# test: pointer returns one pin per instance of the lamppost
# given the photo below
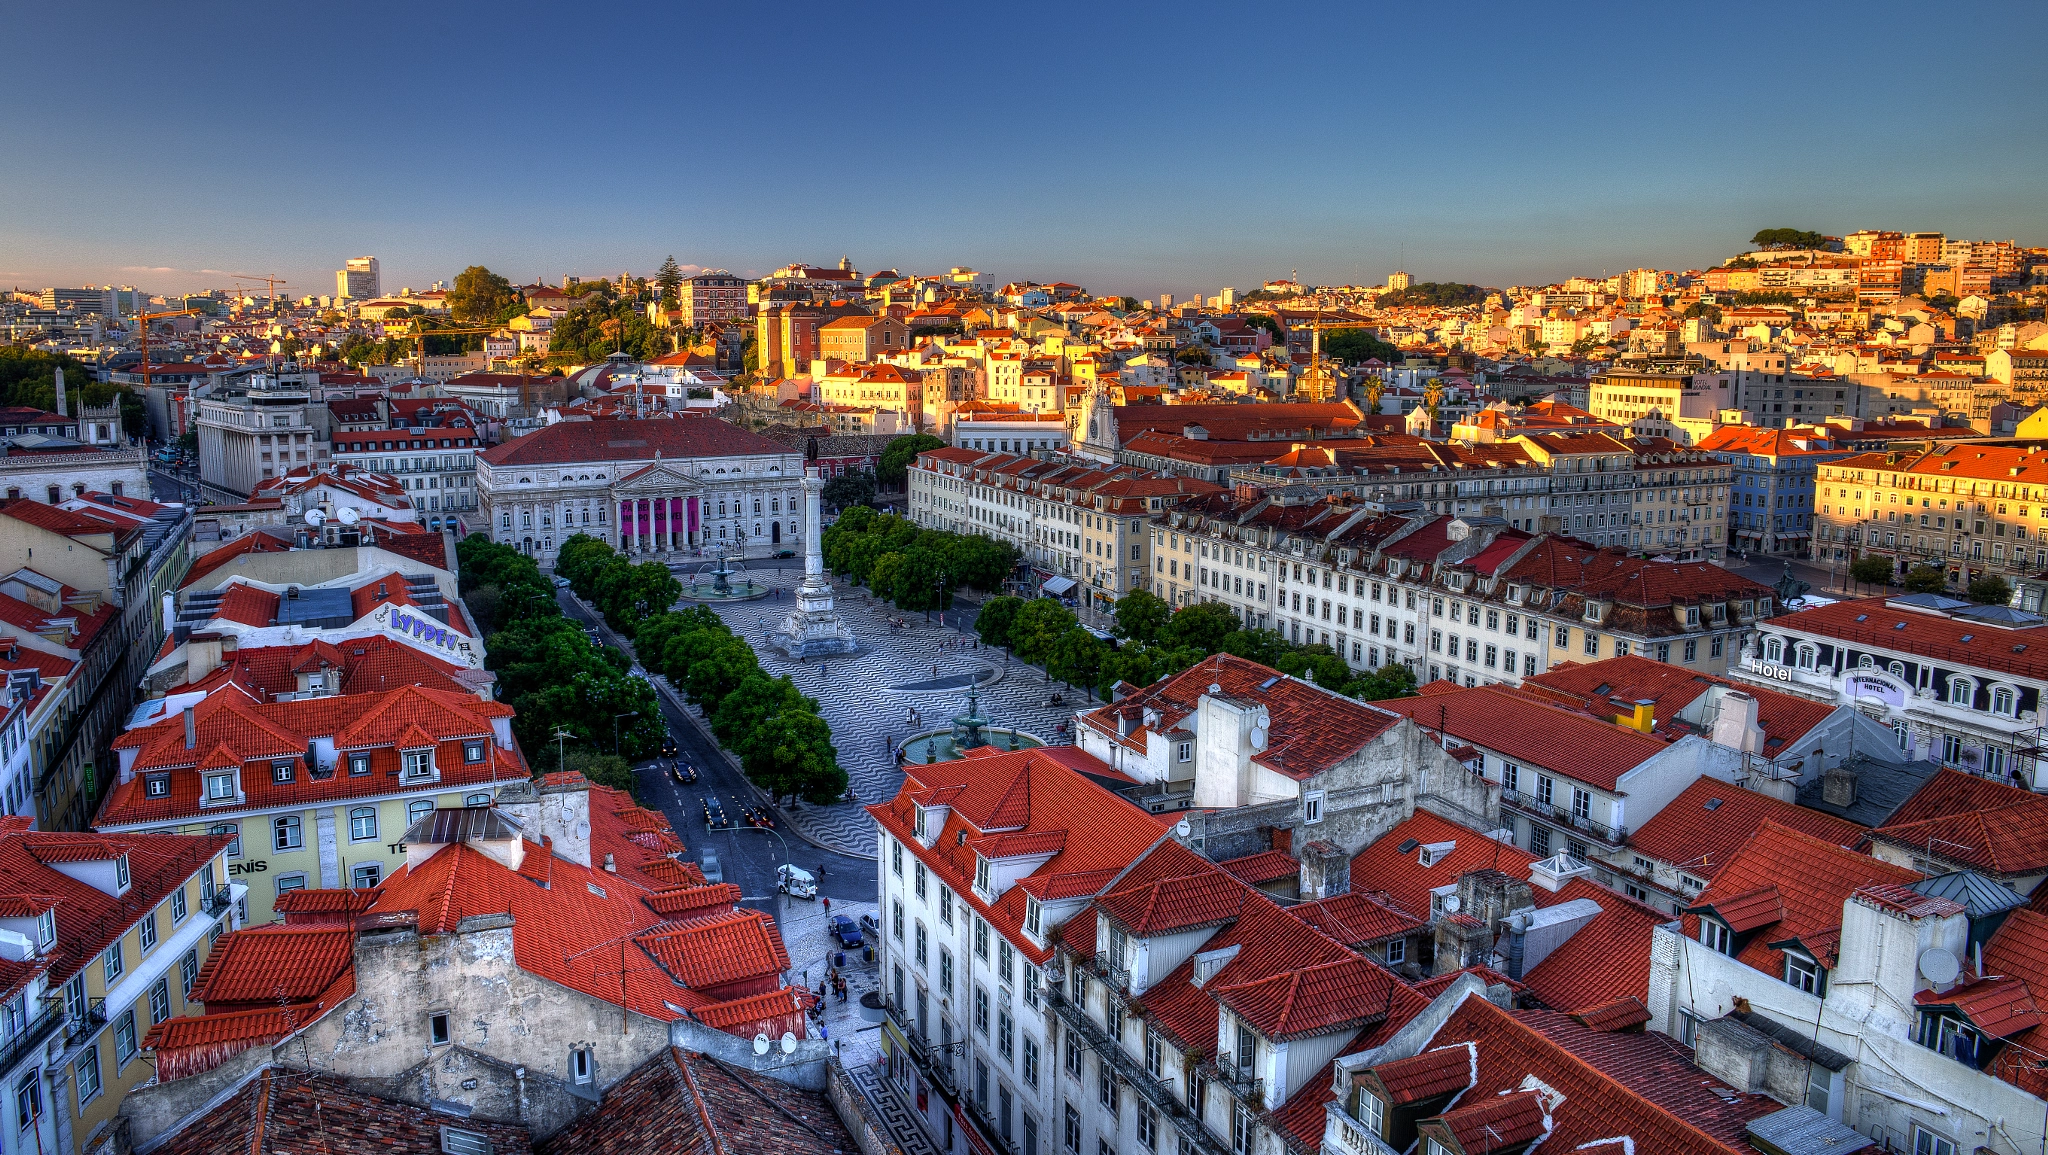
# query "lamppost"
(562, 749)
(615, 728)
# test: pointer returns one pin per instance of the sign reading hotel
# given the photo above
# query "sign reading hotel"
(419, 630)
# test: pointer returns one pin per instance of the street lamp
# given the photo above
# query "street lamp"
(615, 729)
(562, 749)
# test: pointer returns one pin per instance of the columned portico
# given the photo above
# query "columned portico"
(664, 524)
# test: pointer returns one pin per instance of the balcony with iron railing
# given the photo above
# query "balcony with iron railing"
(1116, 976)
(1156, 1093)
(82, 1023)
(1248, 1088)
(33, 1034)
(935, 1061)
(1529, 804)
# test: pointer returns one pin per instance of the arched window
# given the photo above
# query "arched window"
(1962, 692)
(2002, 700)
(1898, 670)
(1806, 657)
(362, 824)
(414, 811)
(1774, 650)
(477, 800)
(1864, 662)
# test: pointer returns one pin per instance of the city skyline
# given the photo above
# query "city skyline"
(1134, 152)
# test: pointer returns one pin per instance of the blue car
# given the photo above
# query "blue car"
(845, 930)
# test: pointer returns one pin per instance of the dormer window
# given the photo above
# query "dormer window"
(358, 764)
(920, 824)
(220, 787)
(1715, 935)
(121, 873)
(419, 764)
(472, 752)
(46, 929)
(981, 874)
(1033, 916)
(156, 786)
(280, 771)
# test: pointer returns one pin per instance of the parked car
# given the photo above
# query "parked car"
(795, 881)
(846, 931)
(785, 553)
(708, 860)
(561, 583)
(871, 925)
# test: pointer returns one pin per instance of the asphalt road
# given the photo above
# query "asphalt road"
(167, 486)
(748, 855)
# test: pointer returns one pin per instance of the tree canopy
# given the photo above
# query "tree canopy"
(670, 280)
(605, 326)
(1440, 294)
(918, 569)
(29, 377)
(1787, 239)
(1355, 346)
(482, 297)
(893, 470)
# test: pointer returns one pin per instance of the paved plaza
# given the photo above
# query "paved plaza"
(867, 698)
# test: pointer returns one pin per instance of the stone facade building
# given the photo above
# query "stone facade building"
(653, 487)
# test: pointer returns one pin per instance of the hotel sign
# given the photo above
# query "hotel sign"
(1763, 669)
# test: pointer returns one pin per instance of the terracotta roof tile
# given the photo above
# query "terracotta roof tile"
(1986, 825)
(1710, 819)
(1263, 867)
(268, 965)
(1434, 1072)
(1811, 878)
(1533, 733)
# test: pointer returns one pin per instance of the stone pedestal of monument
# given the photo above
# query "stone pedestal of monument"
(814, 628)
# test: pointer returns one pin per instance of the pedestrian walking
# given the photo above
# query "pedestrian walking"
(828, 907)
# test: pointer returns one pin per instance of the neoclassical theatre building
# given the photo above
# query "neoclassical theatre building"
(660, 487)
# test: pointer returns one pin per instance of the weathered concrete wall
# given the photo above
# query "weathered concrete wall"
(494, 1008)
(855, 1115)
(157, 1108)
(805, 1067)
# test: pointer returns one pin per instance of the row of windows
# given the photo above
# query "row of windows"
(287, 832)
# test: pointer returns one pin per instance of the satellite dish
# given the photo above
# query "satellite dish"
(761, 1044)
(315, 518)
(349, 515)
(1258, 738)
(1451, 904)
(1939, 965)
(1181, 829)
(788, 1043)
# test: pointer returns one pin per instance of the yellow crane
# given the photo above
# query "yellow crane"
(142, 320)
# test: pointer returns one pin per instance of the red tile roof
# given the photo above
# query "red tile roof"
(1529, 731)
(1809, 881)
(1029, 791)
(569, 442)
(275, 964)
(1264, 867)
(1610, 688)
(1434, 1072)
(1355, 919)
(1709, 820)
(1312, 728)
(88, 918)
(1914, 631)
(1985, 825)
(715, 951)
(287, 1112)
(679, 1103)
(1399, 874)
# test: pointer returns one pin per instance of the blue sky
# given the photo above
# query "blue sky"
(1132, 149)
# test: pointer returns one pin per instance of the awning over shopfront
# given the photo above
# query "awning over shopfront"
(1058, 587)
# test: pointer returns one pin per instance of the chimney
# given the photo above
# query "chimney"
(191, 728)
(1736, 725)
(1838, 786)
(1643, 717)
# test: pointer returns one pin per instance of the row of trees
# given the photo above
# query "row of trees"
(916, 568)
(1876, 570)
(551, 673)
(625, 593)
(1158, 640)
(29, 377)
(782, 743)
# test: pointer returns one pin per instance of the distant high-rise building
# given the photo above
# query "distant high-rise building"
(1229, 297)
(357, 280)
(1165, 301)
(1397, 281)
(105, 300)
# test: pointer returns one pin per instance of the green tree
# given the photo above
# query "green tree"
(1201, 626)
(1392, 680)
(1076, 658)
(481, 297)
(893, 470)
(1040, 624)
(1266, 647)
(714, 666)
(1990, 590)
(1355, 346)
(1192, 355)
(603, 769)
(849, 489)
(1787, 239)
(1925, 579)
(792, 754)
(1141, 615)
(1445, 294)
(1871, 569)
(997, 618)
(670, 279)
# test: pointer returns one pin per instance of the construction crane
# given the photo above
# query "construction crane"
(271, 280)
(142, 320)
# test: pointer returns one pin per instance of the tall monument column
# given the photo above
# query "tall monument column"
(814, 629)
